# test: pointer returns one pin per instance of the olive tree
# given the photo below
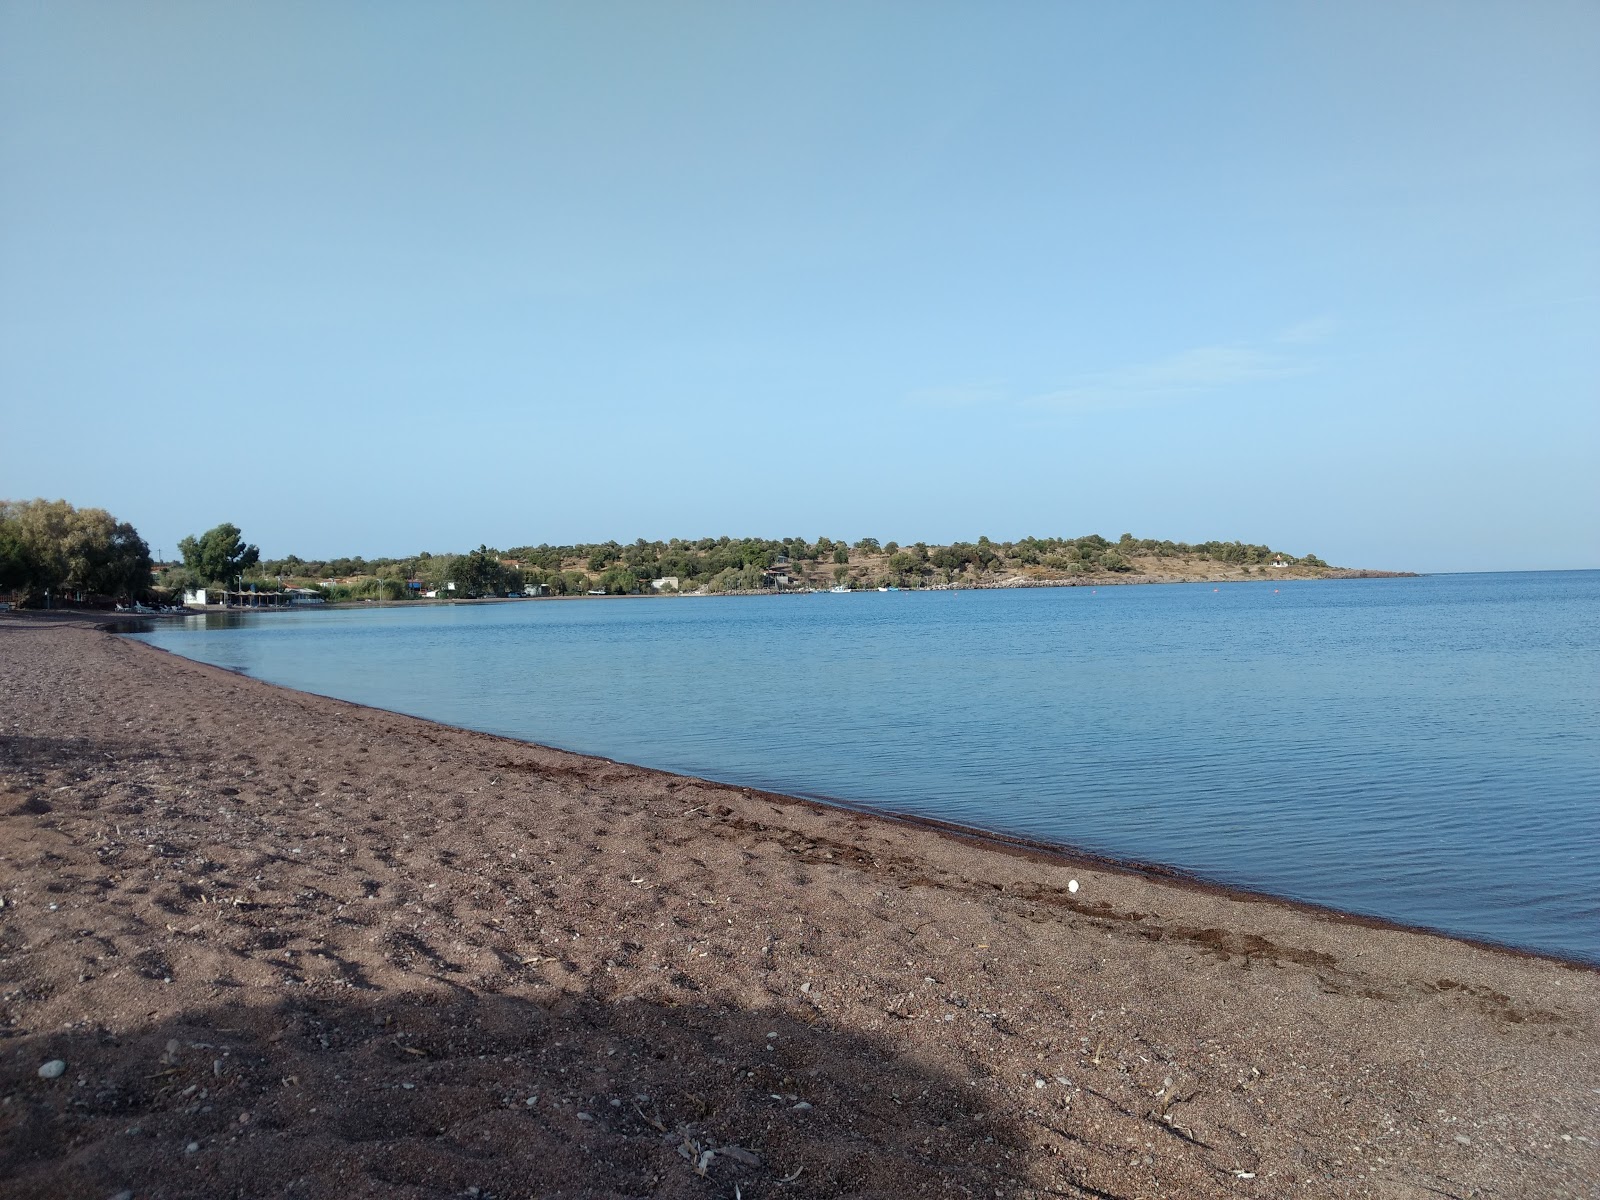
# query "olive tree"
(218, 554)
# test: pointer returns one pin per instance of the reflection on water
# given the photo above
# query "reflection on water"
(1426, 750)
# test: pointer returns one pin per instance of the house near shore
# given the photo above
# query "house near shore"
(667, 583)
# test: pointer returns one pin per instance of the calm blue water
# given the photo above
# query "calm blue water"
(1426, 750)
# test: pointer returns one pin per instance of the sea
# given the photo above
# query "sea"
(1422, 750)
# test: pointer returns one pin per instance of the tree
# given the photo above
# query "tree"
(108, 557)
(619, 581)
(218, 554)
(50, 546)
(478, 573)
(16, 570)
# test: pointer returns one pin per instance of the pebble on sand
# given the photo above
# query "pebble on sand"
(54, 1069)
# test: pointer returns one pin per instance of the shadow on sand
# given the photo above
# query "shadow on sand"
(450, 1092)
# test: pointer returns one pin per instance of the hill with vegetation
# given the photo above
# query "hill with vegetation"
(48, 549)
(725, 564)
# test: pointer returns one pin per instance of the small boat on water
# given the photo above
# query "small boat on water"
(839, 590)
(888, 589)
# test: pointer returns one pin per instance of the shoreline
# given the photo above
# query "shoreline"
(1041, 849)
(290, 940)
(996, 585)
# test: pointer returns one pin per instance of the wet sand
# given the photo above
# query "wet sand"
(290, 946)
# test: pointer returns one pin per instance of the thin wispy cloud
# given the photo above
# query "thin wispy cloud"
(1203, 371)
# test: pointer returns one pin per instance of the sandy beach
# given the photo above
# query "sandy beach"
(285, 945)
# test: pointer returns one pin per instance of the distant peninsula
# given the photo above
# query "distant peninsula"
(53, 554)
(727, 565)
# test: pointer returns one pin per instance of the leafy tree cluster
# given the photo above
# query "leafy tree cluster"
(50, 547)
(218, 555)
(717, 564)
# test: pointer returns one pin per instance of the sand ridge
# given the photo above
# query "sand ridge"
(291, 946)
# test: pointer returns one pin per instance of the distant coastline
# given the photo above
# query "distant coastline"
(1003, 584)
(735, 566)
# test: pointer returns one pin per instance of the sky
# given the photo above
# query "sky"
(374, 278)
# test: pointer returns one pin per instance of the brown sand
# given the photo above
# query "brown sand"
(288, 946)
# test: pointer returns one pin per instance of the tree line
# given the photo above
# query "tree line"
(747, 564)
(49, 548)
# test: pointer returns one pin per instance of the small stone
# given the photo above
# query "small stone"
(124, 1194)
(410, 1087)
(191, 1147)
(531, 1101)
(583, 1116)
(1463, 1139)
(1038, 1083)
(54, 1069)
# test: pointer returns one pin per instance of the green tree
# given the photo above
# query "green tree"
(478, 573)
(109, 557)
(619, 581)
(17, 568)
(50, 546)
(218, 554)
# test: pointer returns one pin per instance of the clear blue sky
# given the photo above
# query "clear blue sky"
(382, 277)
